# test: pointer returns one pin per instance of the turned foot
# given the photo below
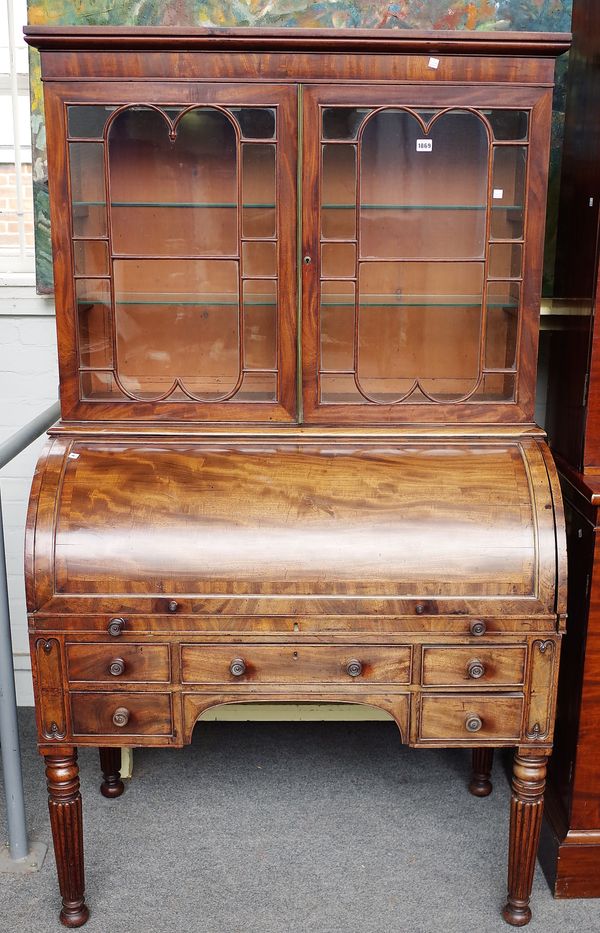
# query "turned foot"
(483, 759)
(526, 809)
(110, 762)
(64, 802)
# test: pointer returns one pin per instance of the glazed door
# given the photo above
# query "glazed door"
(178, 272)
(422, 252)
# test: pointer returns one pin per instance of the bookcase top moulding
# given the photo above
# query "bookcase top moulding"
(457, 42)
(407, 291)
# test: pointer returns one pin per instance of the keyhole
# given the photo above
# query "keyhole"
(307, 260)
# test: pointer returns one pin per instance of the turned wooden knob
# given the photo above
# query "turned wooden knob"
(473, 722)
(478, 627)
(115, 627)
(121, 717)
(354, 668)
(117, 667)
(475, 669)
(237, 667)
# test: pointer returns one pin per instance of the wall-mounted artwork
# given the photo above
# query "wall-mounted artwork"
(535, 15)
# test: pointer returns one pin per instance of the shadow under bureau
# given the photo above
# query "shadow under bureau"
(297, 291)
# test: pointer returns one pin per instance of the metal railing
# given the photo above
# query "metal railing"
(9, 734)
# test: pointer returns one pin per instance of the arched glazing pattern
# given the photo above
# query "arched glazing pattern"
(422, 223)
(175, 252)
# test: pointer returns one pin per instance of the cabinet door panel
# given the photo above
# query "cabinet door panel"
(423, 246)
(182, 279)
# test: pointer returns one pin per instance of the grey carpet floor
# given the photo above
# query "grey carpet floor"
(286, 828)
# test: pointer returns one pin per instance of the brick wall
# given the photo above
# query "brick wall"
(9, 224)
(28, 385)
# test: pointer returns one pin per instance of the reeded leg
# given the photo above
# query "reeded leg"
(526, 809)
(483, 759)
(64, 801)
(110, 762)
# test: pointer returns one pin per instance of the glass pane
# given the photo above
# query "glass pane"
(338, 258)
(423, 195)
(502, 321)
(87, 121)
(508, 124)
(506, 260)
(260, 324)
(338, 192)
(86, 161)
(426, 115)
(508, 183)
(93, 322)
(342, 122)
(258, 387)
(90, 257)
(496, 387)
(339, 390)
(255, 122)
(419, 322)
(177, 320)
(259, 258)
(337, 325)
(99, 387)
(258, 186)
(173, 197)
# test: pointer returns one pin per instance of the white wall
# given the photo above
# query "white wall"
(28, 385)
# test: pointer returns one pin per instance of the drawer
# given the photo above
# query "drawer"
(118, 663)
(295, 664)
(470, 718)
(473, 666)
(121, 713)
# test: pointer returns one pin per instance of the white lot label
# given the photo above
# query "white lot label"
(424, 145)
(498, 193)
(433, 63)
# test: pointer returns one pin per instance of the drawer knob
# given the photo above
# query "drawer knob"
(354, 668)
(115, 627)
(473, 722)
(173, 605)
(121, 717)
(117, 667)
(475, 669)
(478, 627)
(237, 667)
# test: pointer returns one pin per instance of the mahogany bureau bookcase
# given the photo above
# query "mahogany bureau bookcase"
(297, 287)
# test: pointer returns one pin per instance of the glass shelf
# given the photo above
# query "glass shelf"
(330, 301)
(416, 301)
(168, 204)
(421, 207)
(331, 207)
(192, 300)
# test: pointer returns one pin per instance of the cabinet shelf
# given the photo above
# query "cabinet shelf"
(330, 301)
(201, 205)
(416, 301)
(197, 204)
(421, 207)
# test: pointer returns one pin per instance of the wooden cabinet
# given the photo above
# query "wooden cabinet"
(571, 849)
(179, 256)
(297, 299)
(415, 251)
